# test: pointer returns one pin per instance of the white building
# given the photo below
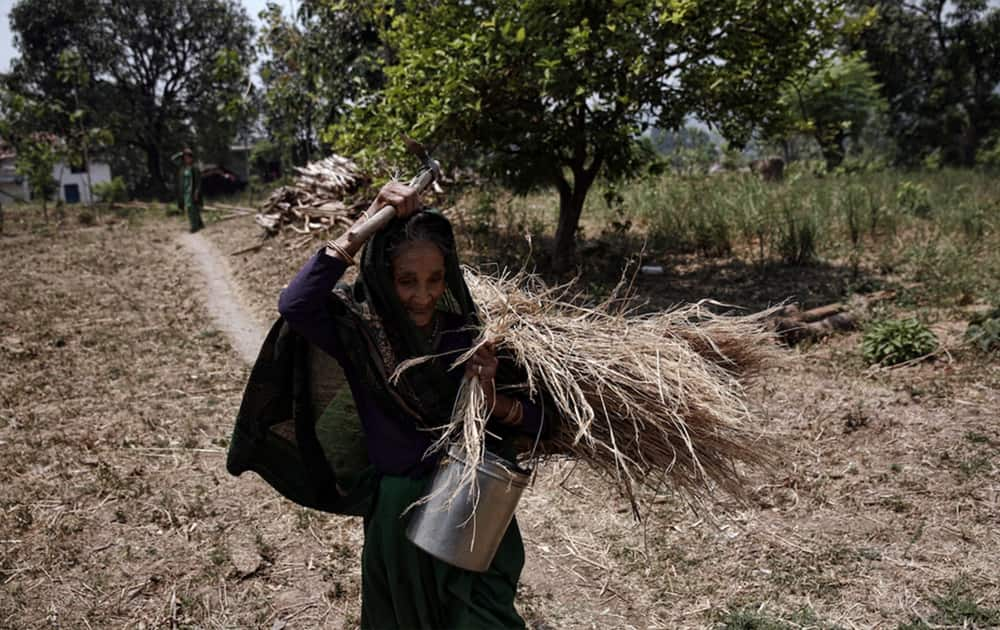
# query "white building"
(12, 186)
(74, 183)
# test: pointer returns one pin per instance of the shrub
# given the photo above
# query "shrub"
(989, 155)
(892, 341)
(974, 220)
(933, 161)
(798, 169)
(914, 199)
(983, 331)
(111, 191)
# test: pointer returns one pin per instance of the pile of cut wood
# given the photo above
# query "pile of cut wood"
(794, 325)
(326, 194)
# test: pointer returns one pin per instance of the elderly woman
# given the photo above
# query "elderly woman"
(409, 300)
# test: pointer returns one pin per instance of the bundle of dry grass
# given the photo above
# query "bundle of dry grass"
(642, 398)
(318, 200)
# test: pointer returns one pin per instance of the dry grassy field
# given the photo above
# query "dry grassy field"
(118, 393)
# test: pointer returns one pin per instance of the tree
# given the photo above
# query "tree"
(27, 123)
(939, 63)
(156, 70)
(549, 92)
(80, 139)
(316, 62)
(43, 31)
(689, 149)
(36, 160)
(832, 101)
(227, 114)
(36, 153)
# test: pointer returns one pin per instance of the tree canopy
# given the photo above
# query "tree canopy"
(552, 92)
(939, 63)
(832, 101)
(160, 73)
(315, 63)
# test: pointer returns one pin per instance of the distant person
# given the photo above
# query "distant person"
(189, 188)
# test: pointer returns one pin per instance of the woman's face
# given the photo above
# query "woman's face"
(418, 274)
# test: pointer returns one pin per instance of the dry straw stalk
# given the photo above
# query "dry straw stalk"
(641, 398)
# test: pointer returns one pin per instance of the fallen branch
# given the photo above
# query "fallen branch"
(235, 208)
(247, 250)
(321, 197)
(795, 326)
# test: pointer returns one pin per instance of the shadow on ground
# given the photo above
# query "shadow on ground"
(753, 287)
(678, 278)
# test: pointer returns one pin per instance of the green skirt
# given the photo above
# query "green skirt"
(404, 587)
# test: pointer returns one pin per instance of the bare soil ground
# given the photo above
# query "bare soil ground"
(118, 392)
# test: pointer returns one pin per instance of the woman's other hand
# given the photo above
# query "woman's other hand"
(483, 365)
(403, 198)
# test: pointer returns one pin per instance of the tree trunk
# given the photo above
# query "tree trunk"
(970, 141)
(86, 175)
(833, 151)
(571, 198)
(564, 247)
(157, 186)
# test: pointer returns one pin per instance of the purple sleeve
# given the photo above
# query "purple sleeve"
(305, 301)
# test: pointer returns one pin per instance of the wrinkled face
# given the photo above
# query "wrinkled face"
(418, 275)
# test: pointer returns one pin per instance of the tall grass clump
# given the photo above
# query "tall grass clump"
(854, 202)
(754, 217)
(940, 226)
(798, 234)
(681, 215)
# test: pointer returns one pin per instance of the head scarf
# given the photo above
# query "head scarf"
(388, 335)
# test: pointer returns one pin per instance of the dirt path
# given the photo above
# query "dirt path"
(118, 391)
(228, 311)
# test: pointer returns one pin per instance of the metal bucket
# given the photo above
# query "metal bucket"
(456, 533)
